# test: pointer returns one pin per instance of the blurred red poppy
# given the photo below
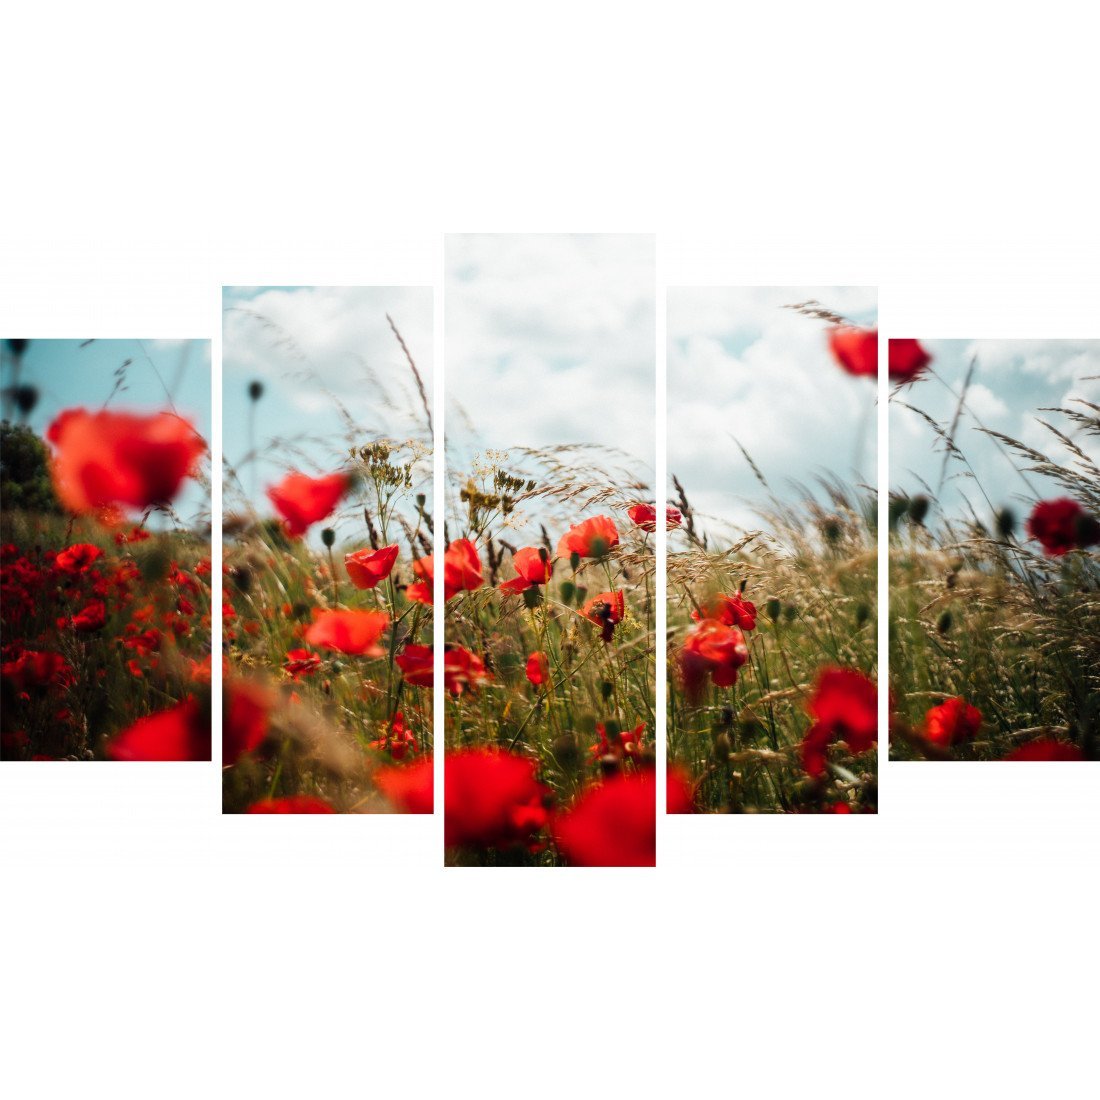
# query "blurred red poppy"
(181, 732)
(422, 591)
(417, 664)
(680, 792)
(538, 669)
(907, 360)
(355, 633)
(461, 568)
(625, 743)
(38, 668)
(294, 804)
(462, 670)
(855, 349)
(398, 740)
(91, 617)
(246, 716)
(1046, 748)
(367, 567)
(409, 787)
(301, 662)
(533, 566)
(492, 799)
(593, 538)
(76, 559)
(729, 611)
(611, 824)
(844, 707)
(1062, 525)
(606, 610)
(711, 649)
(105, 460)
(645, 517)
(952, 722)
(302, 500)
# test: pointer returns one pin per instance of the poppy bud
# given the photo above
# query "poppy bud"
(945, 621)
(421, 500)
(566, 750)
(581, 594)
(242, 578)
(863, 613)
(574, 561)
(897, 508)
(255, 390)
(567, 589)
(790, 612)
(532, 597)
(773, 607)
(918, 509)
(328, 536)
(606, 688)
(26, 397)
(1006, 523)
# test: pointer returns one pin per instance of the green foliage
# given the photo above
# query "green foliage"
(24, 471)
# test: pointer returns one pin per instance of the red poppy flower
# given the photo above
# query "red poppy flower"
(680, 792)
(36, 668)
(538, 669)
(462, 670)
(461, 568)
(1062, 525)
(302, 500)
(409, 787)
(605, 610)
(626, 743)
(367, 567)
(844, 707)
(246, 709)
(301, 662)
(611, 824)
(353, 632)
(907, 360)
(398, 741)
(492, 799)
(91, 617)
(181, 732)
(533, 566)
(1046, 748)
(105, 460)
(952, 722)
(729, 611)
(711, 649)
(423, 591)
(855, 349)
(76, 559)
(417, 665)
(295, 804)
(593, 538)
(645, 517)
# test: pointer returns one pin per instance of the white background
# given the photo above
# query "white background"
(946, 153)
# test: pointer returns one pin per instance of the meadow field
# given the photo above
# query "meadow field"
(105, 591)
(327, 606)
(995, 604)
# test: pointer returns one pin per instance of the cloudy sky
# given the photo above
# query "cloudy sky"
(155, 375)
(550, 340)
(1012, 380)
(315, 350)
(744, 370)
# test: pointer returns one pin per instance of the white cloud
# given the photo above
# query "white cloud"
(550, 340)
(741, 367)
